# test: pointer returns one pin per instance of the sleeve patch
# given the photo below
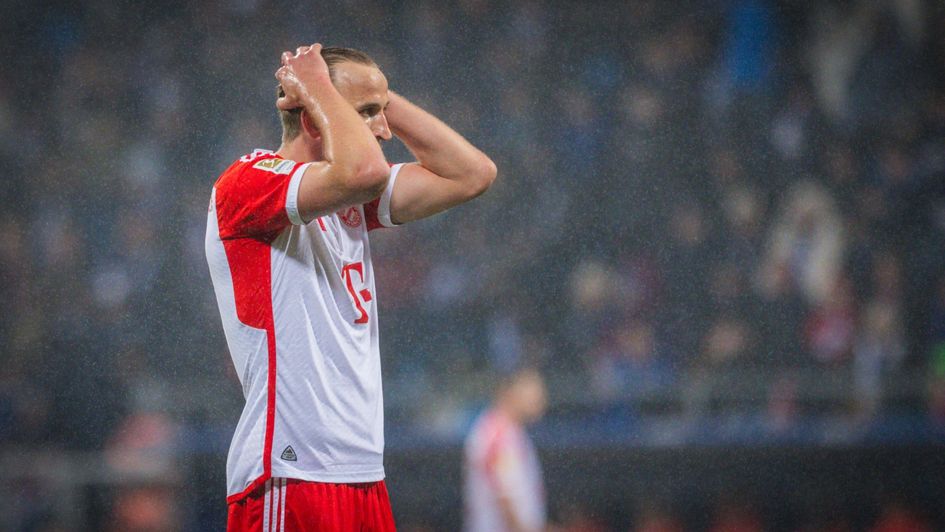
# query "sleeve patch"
(276, 166)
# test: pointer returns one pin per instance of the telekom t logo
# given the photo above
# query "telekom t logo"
(358, 296)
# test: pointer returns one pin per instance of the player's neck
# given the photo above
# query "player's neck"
(507, 410)
(300, 150)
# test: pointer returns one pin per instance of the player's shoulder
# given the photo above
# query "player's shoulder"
(491, 425)
(260, 164)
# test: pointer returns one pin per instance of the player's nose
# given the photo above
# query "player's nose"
(381, 128)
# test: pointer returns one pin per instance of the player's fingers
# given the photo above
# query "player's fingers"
(288, 99)
(285, 104)
(285, 57)
(301, 50)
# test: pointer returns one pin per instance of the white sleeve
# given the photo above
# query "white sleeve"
(383, 206)
(292, 195)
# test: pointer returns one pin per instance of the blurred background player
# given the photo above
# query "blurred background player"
(504, 490)
(287, 244)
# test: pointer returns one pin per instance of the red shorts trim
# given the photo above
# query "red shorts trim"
(291, 505)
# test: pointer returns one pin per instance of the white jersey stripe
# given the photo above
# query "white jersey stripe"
(277, 498)
(267, 509)
(281, 527)
(274, 512)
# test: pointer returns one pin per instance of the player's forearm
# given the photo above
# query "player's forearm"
(437, 146)
(348, 146)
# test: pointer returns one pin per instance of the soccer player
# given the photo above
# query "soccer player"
(504, 490)
(289, 255)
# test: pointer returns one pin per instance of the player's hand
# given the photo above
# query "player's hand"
(299, 75)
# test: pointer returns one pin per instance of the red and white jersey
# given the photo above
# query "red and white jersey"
(501, 462)
(300, 316)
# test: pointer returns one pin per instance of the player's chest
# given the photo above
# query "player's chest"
(340, 236)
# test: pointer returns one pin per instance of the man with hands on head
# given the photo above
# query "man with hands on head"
(289, 255)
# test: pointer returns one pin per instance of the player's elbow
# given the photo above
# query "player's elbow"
(482, 176)
(369, 178)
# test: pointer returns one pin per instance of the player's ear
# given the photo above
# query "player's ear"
(309, 127)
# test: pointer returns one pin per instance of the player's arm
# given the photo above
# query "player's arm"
(449, 171)
(354, 170)
(500, 466)
(509, 517)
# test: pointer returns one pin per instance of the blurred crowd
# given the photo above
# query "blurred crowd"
(689, 192)
(736, 514)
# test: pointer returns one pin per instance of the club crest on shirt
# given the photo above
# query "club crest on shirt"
(351, 217)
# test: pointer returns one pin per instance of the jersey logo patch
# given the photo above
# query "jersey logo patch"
(276, 165)
(351, 217)
(289, 454)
